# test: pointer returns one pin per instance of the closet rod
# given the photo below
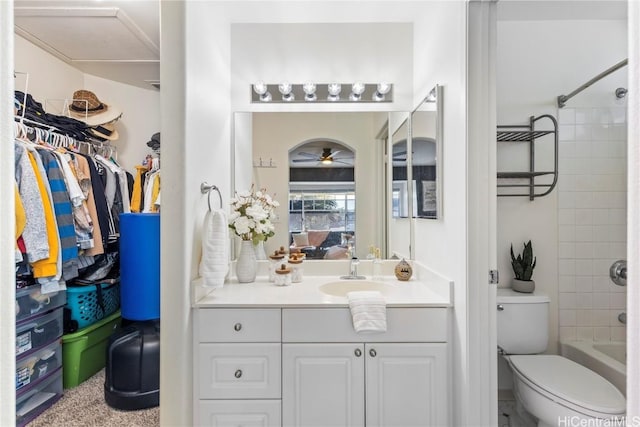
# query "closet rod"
(562, 99)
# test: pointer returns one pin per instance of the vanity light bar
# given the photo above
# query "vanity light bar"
(309, 93)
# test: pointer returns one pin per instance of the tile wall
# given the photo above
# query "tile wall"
(592, 221)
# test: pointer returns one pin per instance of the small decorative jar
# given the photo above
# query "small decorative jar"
(403, 270)
(295, 263)
(274, 262)
(283, 276)
(284, 254)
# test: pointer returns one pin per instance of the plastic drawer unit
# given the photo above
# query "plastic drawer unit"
(30, 302)
(35, 333)
(35, 398)
(35, 366)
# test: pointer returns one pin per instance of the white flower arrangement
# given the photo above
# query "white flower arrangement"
(252, 215)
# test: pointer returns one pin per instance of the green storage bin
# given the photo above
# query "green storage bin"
(84, 351)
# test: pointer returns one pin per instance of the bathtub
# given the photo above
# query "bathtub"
(607, 358)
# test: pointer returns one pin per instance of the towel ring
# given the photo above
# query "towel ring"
(206, 189)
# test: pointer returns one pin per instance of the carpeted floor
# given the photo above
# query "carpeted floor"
(84, 406)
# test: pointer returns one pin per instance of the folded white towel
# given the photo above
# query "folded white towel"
(214, 264)
(368, 311)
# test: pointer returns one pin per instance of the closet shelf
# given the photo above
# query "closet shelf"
(529, 134)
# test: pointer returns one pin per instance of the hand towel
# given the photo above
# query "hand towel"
(214, 264)
(368, 311)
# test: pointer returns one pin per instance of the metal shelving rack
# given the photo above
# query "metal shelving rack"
(514, 180)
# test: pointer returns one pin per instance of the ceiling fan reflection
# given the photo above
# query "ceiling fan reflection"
(326, 157)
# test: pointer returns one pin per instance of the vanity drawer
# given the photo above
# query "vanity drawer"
(239, 371)
(335, 325)
(239, 325)
(245, 413)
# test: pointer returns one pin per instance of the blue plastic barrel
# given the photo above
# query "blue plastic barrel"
(140, 266)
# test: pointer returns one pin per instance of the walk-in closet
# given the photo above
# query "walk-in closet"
(87, 155)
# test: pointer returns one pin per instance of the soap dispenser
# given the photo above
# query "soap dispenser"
(377, 266)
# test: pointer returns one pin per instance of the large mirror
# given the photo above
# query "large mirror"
(372, 199)
(323, 168)
(426, 155)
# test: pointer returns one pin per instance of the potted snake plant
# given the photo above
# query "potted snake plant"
(523, 266)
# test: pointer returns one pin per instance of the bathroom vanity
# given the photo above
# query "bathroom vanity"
(289, 356)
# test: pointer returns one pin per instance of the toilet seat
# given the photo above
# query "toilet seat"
(570, 384)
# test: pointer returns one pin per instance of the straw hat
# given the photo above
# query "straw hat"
(105, 131)
(87, 108)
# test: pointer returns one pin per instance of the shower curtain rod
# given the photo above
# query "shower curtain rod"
(562, 99)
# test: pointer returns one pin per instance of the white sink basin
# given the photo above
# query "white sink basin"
(342, 287)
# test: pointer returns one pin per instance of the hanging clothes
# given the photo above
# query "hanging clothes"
(137, 192)
(35, 231)
(47, 268)
(63, 212)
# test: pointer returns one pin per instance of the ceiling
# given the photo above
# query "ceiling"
(116, 40)
(550, 10)
(120, 40)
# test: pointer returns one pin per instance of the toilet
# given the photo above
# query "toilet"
(553, 389)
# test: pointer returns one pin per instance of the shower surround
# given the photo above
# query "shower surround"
(591, 221)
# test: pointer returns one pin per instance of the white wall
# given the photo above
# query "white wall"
(274, 134)
(140, 117)
(537, 62)
(440, 58)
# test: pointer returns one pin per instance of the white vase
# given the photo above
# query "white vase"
(259, 249)
(246, 265)
(526, 286)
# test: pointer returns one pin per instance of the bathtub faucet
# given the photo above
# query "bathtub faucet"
(618, 272)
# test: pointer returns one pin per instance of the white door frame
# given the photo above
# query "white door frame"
(482, 393)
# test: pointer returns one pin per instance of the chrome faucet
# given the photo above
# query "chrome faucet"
(353, 270)
(618, 272)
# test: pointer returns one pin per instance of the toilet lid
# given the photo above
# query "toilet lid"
(571, 382)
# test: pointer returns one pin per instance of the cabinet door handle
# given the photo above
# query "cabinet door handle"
(357, 352)
(238, 373)
(373, 353)
(237, 327)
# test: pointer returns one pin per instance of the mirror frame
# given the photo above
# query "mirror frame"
(397, 120)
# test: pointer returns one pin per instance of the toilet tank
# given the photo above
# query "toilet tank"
(523, 322)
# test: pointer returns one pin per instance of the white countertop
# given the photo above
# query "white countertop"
(262, 293)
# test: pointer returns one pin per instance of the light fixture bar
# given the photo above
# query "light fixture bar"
(368, 93)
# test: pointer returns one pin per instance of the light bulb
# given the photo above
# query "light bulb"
(285, 89)
(381, 90)
(261, 89)
(356, 91)
(334, 91)
(309, 91)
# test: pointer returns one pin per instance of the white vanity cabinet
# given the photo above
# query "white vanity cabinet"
(237, 359)
(308, 367)
(397, 378)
